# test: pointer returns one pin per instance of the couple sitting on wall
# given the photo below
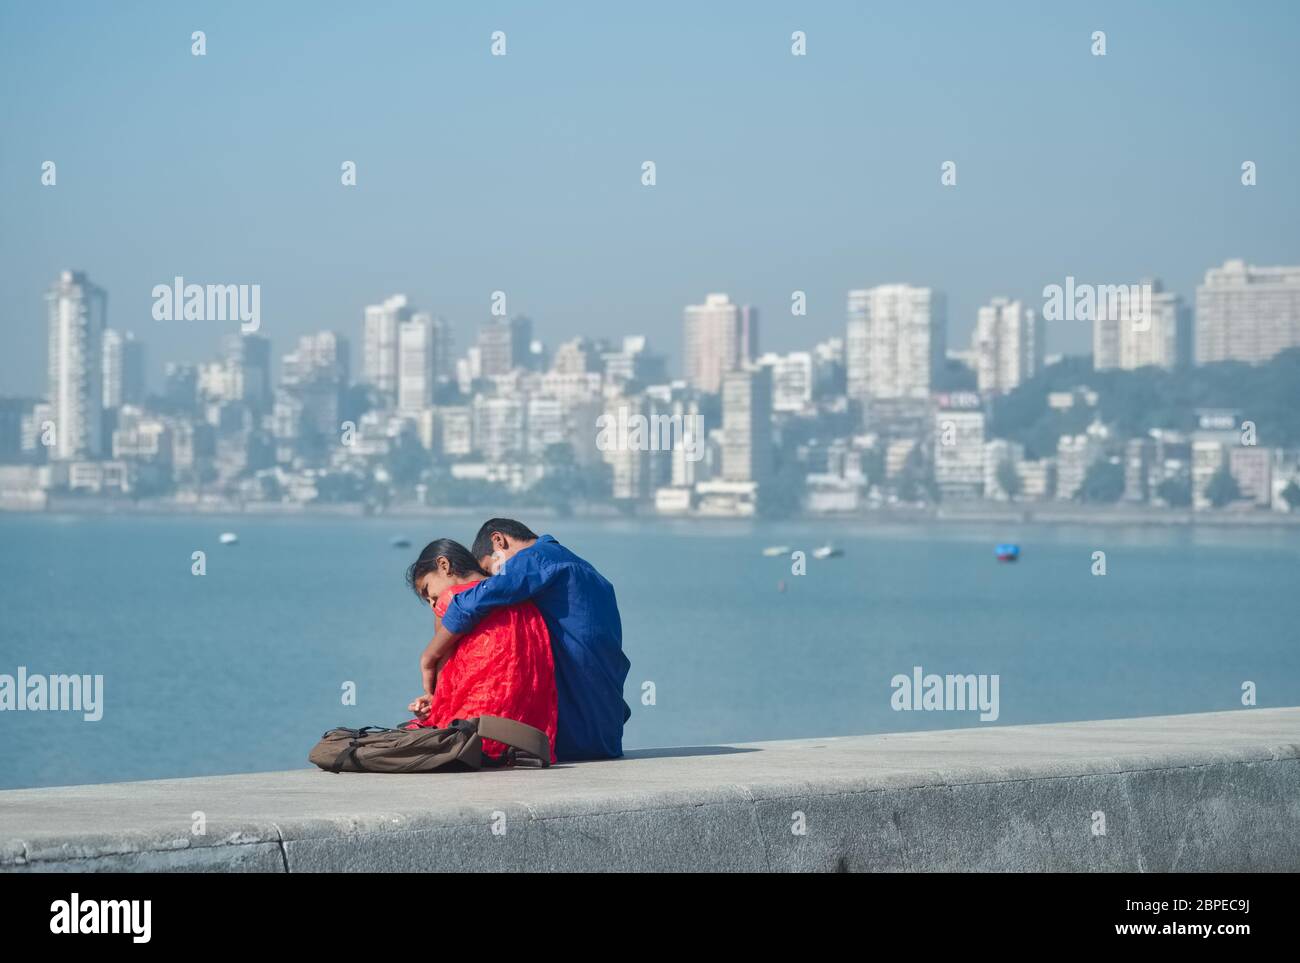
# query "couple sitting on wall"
(526, 630)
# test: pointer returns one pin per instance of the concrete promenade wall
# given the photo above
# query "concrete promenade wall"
(1215, 791)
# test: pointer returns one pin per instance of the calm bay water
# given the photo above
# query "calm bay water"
(241, 669)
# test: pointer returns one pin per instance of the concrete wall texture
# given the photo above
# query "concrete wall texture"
(1208, 792)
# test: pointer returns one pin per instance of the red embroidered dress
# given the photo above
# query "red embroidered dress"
(501, 667)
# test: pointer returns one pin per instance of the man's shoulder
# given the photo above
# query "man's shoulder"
(550, 552)
(542, 555)
(547, 549)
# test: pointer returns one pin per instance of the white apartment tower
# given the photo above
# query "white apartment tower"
(1247, 313)
(630, 466)
(747, 425)
(792, 379)
(959, 452)
(1008, 345)
(323, 356)
(77, 312)
(895, 342)
(248, 370)
(1140, 335)
(380, 336)
(718, 337)
(123, 369)
(419, 346)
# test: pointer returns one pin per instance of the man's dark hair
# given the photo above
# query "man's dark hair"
(511, 529)
(458, 557)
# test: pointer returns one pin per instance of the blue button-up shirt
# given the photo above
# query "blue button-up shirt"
(581, 613)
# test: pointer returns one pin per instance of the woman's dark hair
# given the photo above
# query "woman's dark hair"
(507, 527)
(457, 555)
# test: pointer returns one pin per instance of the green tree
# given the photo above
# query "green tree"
(1103, 484)
(955, 376)
(1292, 495)
(562, 483)
(1175, 492)
(407, 460)
(1136, 401)
(1222, 488)
(1008, 478)
(782, 494)
(916, 479)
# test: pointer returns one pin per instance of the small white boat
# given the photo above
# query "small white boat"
(774, 550)
(827, 551)
(228, 538)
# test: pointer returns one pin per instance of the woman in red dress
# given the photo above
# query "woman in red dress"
(501, 667)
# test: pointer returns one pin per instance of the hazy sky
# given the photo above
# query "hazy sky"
(522, 173)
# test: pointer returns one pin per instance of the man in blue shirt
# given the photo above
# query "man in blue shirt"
(581, 614)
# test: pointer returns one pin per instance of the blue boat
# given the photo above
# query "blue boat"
(1007, 552)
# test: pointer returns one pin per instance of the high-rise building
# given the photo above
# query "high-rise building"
(687, 466)
(1150, 331)
(635, 362)
(747, 425)
(323, 356)
(959, 445)
(547, 424)
(504, 346)
(443, 363)
(1007, 344)
(419, 342)
(1075, 454)
(180, 385)
(718, 337)
(498, 429)
(123, 369)
(792, 379)
(1002, 457)
(748, 334)
(77, 311)
(248, 370)
(469, 369)
(140, 436)
(630, 465)
(1252, 470)
(456, 430)
(1247, 313)
(895, 342)
(1160, 339)
(379, 349)
(213, 383)
(1037, 478)
(34, 443)
(1139, 455)
(314, 376)
(574, 357)
(828, 368)
(1209, 456)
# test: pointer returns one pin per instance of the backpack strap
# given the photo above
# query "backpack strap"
(349, 754)
(519, 737)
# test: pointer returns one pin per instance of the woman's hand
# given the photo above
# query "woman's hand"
(421, 705)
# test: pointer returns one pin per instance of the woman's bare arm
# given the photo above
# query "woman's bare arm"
(439, 649)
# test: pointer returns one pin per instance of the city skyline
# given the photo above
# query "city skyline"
(1171, 330)
(885, 414)
(467, 183)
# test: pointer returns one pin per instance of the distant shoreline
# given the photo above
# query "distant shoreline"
(979, 513)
